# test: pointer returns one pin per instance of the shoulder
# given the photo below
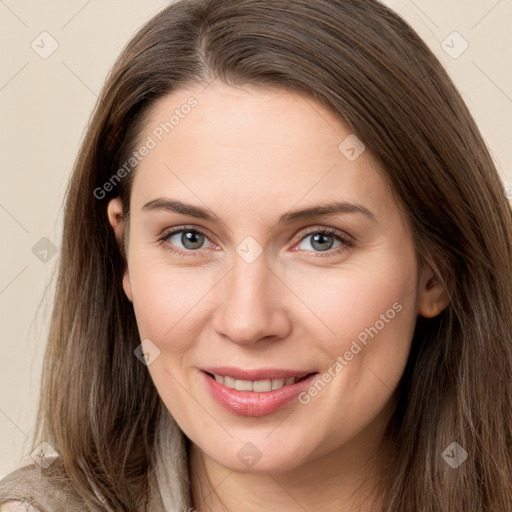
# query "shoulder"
(17, 490)
(33, 489)
(17, 506)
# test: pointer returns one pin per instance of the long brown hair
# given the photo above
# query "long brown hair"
(99, 407)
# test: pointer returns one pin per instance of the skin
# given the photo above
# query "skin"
(250, 155)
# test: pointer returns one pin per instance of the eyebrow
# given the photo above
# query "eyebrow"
(175, 206)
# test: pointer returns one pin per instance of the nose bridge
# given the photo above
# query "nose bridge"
(250, 307)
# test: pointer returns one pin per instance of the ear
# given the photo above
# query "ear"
(433, 295)
(115, 217)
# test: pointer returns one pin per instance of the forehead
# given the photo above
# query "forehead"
(253, 147)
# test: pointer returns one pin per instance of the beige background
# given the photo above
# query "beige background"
(45, 105)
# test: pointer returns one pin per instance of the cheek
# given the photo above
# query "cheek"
(338, 303)
(167, 301)
(371, 315)
(368, 313)
(359, 298)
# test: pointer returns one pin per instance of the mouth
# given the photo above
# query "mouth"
(255, 392)
(257, 386)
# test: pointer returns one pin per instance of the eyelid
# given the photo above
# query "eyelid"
(325, 229)
(176, 229)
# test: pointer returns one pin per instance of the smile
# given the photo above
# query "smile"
(258, 386)
(255, 392)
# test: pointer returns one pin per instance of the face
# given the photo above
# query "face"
(273, 336)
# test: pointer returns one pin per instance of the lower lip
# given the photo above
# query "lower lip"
(251, 403)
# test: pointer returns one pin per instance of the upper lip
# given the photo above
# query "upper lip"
(257, 373)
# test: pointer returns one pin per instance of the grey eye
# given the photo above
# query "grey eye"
(189, 239)
(320, 242)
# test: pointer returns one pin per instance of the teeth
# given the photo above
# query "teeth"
(262, 385)
(229, 382)
(259, 386)
(243, 385)
(277, 383)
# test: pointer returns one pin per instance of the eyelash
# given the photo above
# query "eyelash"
(343, 238)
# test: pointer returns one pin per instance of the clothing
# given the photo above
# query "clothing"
(47, 492)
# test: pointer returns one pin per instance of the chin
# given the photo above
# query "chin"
(250, 459)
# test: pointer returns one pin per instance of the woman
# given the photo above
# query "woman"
(285, 278)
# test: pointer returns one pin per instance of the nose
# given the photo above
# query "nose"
(252, 304)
